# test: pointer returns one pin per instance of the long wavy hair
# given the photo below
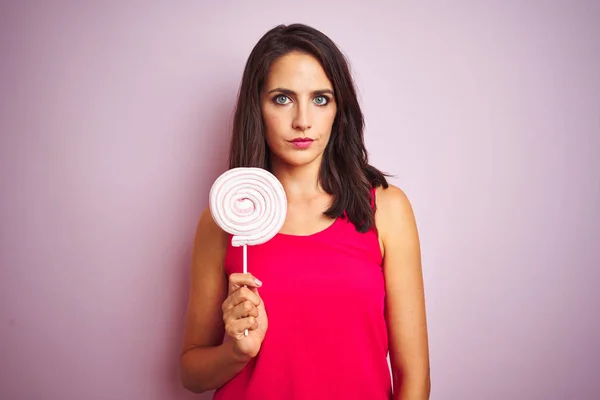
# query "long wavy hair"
(345, 172)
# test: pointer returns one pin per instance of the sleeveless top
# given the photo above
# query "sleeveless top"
(327, 338)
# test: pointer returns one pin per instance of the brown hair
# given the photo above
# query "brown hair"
(345, 172)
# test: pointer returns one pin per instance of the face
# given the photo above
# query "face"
(298, 109)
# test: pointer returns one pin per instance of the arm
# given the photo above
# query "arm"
(407, 326)
(206, 361)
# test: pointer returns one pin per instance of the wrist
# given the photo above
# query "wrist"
(237, 356)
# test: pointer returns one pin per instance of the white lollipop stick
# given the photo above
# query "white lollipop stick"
(250, 204)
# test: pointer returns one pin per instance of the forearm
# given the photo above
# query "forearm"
(208, 368)
(412, 388)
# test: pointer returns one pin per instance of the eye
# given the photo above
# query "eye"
(281, 99)
(321, 100)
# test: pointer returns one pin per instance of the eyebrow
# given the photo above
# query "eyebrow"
(292, 93)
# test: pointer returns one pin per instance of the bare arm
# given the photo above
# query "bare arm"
(206, 361)
(409, 349)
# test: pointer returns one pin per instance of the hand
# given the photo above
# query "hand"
(244, 309)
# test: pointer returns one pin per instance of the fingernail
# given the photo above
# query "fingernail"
(258, 283)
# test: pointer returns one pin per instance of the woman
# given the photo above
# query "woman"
(341, 284)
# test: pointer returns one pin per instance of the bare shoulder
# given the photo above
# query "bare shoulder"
(210, 248)
(393, 207)
(392, 201)
(207, 230)
(394, 217)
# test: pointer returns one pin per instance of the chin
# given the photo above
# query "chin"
(298, 159)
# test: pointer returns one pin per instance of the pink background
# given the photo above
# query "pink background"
(115, 120)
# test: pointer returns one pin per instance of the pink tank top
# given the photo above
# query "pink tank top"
(327, 337)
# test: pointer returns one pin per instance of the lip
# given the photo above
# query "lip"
(302, 139)
(302, 143)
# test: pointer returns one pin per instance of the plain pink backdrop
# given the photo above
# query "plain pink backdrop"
(115, 120)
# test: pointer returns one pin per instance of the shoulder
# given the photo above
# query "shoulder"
(392, 202)
(394, 214)
(208, 233)
(206, 223)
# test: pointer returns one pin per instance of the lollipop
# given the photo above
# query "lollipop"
(250, 204)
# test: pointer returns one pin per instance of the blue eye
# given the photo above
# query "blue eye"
(321, 100)
(281, 99)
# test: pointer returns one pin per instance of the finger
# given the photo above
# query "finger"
(245, 294)
(238, 280)
(253, 324)
(237, 327)
(255, 291)
(240, 296)
(243, 310)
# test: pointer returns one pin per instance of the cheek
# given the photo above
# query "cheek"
(274, 122)
(327, 119)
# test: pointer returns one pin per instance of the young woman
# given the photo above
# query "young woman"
(340, 285)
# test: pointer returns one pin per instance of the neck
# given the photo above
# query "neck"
(298, 181)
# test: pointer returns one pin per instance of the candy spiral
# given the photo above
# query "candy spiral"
(248, 203)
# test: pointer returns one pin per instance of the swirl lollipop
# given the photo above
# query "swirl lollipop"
(250, 204)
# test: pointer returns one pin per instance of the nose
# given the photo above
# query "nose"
(302, 118)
